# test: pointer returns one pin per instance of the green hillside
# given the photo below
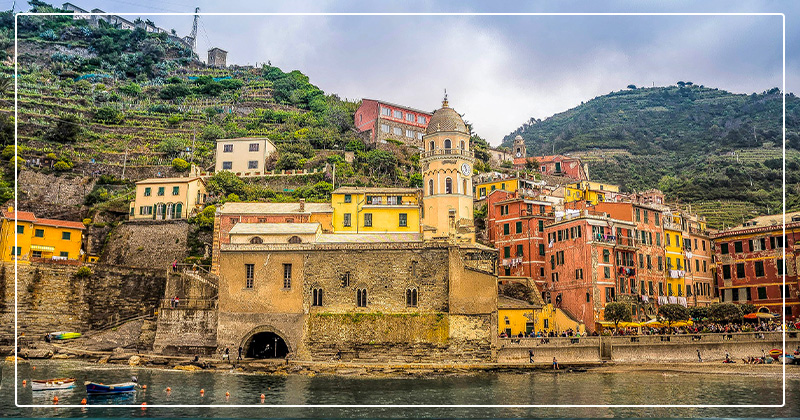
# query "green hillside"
(697, 144)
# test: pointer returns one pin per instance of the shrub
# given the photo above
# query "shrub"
(65, 130)
(212, 132)
(131, 89)
(108, 115)
(52, 156)
(289, 161)
(232, 198)
(83, 272)
(205, 219)
(97, 195)
(174, 91)
(180, 165)
(174, 120)
(9, 151)
(172, 146)
(62, 166)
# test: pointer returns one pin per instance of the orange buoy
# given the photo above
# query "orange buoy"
(227, 394)
(202, 391)
(55, 399)
(33, 367)
(83, 401)
(144, 386)
(24, 382)
(144, 406)
(262, 398)
(169, 389)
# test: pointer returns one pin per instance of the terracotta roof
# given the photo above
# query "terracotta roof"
(275, 228)
(274, 208)
(505, 302)
(61, 223)
(369, 237)
(376, 190)
(168, 180)
(25, 216)
(772, 220)
(419, 111)
(446, 119)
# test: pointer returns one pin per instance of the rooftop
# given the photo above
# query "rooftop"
(368, 237)
(775, 220)
(169, 180)
(275, 228)
(245, 139)
(27, 216)
(505, 302)
(274, 208)
(376, 190)
(19, 215)
(399, 106)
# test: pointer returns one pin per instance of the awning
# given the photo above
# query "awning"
(42, 248)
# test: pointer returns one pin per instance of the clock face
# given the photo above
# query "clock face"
(465, 169)
(519, 154)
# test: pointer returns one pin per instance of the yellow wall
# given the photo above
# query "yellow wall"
(514, 319)
(187, 196)
(674, 252)
(509, 185)
(593, 192)
(385, 217)
(51, 238)
(557, 320)
(8, 232)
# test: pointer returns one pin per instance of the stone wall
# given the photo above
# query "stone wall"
(52, 298)
(186, 331)
(644, 349)
(147, 244)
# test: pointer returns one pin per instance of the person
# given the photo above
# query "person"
(727, 357)
(555, 364)
(530, 356)
(699, 358)
(175, 266)
(227, 355)
(240, 353)
(338, 355)
(177, 301)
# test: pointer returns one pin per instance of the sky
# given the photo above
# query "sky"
(500, 70)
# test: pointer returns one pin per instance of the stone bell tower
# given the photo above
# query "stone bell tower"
(519, 147)
(447, 175)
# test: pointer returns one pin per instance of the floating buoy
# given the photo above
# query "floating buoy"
(262, 398)
(144, 386)
(202, 392)
(169, 389)
(33, 367)
(24, 382)
(227, 394)
(55, 399)
(83, 401)
(144, 406)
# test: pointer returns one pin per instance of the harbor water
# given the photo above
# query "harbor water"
(503, 388)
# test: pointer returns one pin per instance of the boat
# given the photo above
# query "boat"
(94, 388)
(52, 384)
(64, 335)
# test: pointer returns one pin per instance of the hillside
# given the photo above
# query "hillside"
(697, 144)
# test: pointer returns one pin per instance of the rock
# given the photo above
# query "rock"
(12, 359)
(103, 360)
(118, 350)
(188, 368)
(134, 360)
(62, 356)
(39, 354)
(225, 366)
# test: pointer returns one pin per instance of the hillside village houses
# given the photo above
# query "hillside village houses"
(245, 156)
(168, 198)
(25, 238)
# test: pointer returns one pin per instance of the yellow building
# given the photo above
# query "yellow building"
(168, 198)
(675, 255)
(517, 316)
(38, 238)
(483, 189)
(369, 210)
(592, 192)
(447, 164)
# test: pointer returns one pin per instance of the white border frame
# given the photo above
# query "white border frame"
(16, 172)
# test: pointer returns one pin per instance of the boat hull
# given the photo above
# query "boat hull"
(93, 388)
(53, 384)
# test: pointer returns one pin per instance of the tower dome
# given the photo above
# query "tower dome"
(446, 119)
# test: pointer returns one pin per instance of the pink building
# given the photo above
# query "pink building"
(385, 121)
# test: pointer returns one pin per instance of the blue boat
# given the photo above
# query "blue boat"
(93, 388)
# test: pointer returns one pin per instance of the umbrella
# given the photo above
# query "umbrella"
(682, 323)
(751, 316)
(652, 323)
(765, 315)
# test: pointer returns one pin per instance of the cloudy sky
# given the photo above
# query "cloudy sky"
(500, 70)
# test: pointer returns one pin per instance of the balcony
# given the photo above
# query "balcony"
(448, 152)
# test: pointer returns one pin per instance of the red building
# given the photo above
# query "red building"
(560, 165)
(591, 260)
(516, 226)
(751, 266)
(386, 120)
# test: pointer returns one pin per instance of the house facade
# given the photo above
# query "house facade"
(168, 198)
(244, 156)
(38, 238)
(370, 209)
(385, 120)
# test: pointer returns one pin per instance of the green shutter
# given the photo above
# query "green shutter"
(154, 211)
(178, 211)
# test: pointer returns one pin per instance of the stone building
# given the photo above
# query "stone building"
(385, 120)
(217, 57)
(757, 263)
(245, 156)
(561, 165)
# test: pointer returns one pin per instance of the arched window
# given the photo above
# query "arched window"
(448, 185)
(462, 145)
(256, 240)
(464, 187)
(170, 209)
(447, 144)
(430, 187)
(411, 297)
(519, 150)
(178, 211)
(316, 297)
(295, 240)
(432, 144)
(361, 298)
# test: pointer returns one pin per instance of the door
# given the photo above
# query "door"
(605, 349)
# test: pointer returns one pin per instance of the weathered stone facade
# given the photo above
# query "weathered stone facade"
(149, 244)
(452, 316)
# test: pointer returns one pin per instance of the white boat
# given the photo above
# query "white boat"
(52, 384)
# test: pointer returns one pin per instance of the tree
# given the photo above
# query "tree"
(174, 91)
(617, 312)
(725, 312)
(131, 89)
(289, 161)
(531, 164)
(415, 180)
(108, 115)
(65, 130)
(673, 312)
(699, 312)
(224, 183)
(747, 308)
(631, 86)
(212, 132)
(180, 165)
(172, 146)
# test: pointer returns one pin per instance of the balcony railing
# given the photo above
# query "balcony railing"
(444, 152)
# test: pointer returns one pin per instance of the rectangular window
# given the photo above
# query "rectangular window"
(541, 226)
(38, 233)
(253, 147)
(762, 242)
(20, 228)
(666, 236)
(658, 239)
(252, 164)
(419, 136)
(66, 235)
(227, 165)
(505, 229)
(398, 114)
(249, 272)
(609, 294)
(346, 220)
(287, 276)
(697, 266)
(36, 254)
(638, 215)
(646, 216)
(661, 289)
(735, 293)
(367, 219)
(507, 252)
(160, 191)
(348, 198)
(519, 227)
(147, 192)
(541, 249)
(726, 272)
(750, 245)
(705, 268)
(759, 268)
(649, 262)
(607, 272)
(660, 263)
(762, 293)
(421, 119)
(669, 288)
(227, 148)
(409, 134)
(409, 117)
(386, 111)
(176, 190)
(656, 219)
(737, 246)
(723, 249)
(641, 261)
(403, 220)
(520, 252)
(16, 250)
(397, 131)
(740, 270)
(780, 266)
(385, 128)
(784, 291)
(650, 288)
(63, 254)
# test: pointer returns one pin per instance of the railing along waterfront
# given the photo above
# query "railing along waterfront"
(644, 340)
(189, 303)
(445, 152)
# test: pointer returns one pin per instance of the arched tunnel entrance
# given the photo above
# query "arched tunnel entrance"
(266, 345)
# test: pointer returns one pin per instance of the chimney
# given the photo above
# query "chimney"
(10, 209)
(302, 205)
